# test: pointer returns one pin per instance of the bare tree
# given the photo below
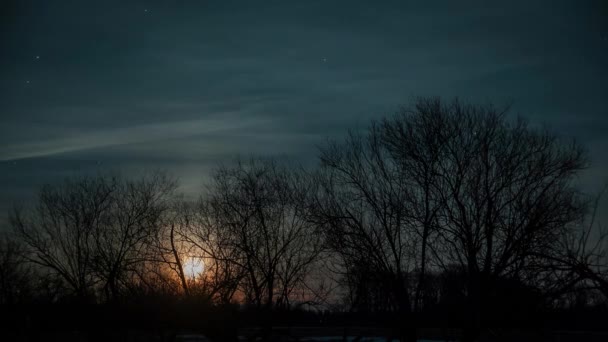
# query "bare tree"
(59, 230)
(179, 246)
(443, 184)
(132, 219)
(416, 145)
(361, 206)
(254, 217)
(93, 230)
(208, 240)
(16, 276)
(582, 259)
(505, 191)
(170, 243)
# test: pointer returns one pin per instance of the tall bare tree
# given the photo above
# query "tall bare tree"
(93, 230)
(416, 145)
(443, 184)
(59, 231)
(254, 217)
(505, 190)
(361, 206)
(168, 245)
(132, 219)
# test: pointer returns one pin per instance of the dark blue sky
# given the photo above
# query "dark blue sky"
(183, 85)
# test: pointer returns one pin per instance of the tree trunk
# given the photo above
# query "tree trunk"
(178, 262)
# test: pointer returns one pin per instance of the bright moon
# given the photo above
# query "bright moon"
(193, 267)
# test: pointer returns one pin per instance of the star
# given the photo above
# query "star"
(146, 10)
(27, 81)
(324, 60)
(37, 57)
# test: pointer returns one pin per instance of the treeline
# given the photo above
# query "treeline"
(446, 207)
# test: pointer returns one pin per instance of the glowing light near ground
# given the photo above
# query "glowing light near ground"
(193, 267)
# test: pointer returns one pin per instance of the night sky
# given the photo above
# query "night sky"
(91, 86)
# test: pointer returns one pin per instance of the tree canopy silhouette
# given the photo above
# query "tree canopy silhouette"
(447, 208)
(445, 184)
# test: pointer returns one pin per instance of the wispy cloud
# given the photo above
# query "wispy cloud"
(124, 136)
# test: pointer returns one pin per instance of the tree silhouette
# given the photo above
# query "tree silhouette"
(445, 211)
(94, 230)
(59, 230)
(582, 257)
(254, 217)
(361, 207)
(15, 274)
(449, 183)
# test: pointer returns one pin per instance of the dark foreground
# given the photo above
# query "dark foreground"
(130, 323)
(305, 334)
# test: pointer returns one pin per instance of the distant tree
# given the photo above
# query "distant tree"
(132, 218)
(254, 217)
(59, 231)
(16, 276)
(443, 184)
(592, 264)
(185, 241)
(582, 258)
(214, 244)
(91, 231)
(416, 145)
(505, 190)
(361, 206)
(168, 246)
